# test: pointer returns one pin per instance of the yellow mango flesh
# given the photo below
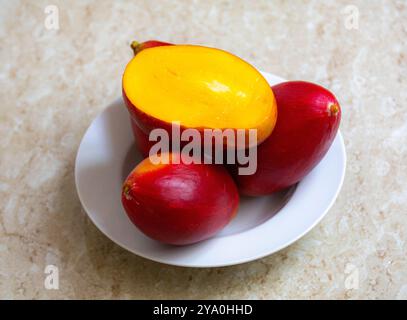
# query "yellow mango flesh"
(200, 87)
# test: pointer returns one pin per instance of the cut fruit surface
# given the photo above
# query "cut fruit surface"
(200, 87)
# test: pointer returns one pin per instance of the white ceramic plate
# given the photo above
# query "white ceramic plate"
(262, 226)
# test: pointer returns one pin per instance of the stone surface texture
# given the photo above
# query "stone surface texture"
(54, 82)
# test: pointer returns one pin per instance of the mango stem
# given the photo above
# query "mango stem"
(136, 46)
(333, 109)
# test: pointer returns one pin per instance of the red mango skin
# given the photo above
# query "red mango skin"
(143, 144)
(308, 120)
(137, 47)
(182, 203)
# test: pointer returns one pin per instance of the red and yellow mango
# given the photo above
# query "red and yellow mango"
(308, 120)
(179, 202)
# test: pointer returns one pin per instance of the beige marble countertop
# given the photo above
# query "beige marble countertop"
(54, 82)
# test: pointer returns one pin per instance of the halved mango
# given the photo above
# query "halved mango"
(199, 87)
